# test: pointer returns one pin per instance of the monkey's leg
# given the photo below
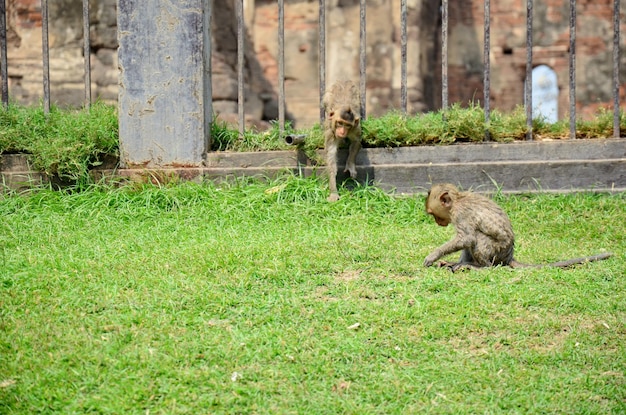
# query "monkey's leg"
(466, 261)
(466, 257)
(331, 167)
(355, 146)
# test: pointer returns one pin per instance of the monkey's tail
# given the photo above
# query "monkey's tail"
(574, 261)
(563, 264)
(517, 264)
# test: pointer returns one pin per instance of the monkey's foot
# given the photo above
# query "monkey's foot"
(452, 266)
(333, 197)
(459, 266)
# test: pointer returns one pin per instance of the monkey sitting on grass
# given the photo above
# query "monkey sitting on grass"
(484, 234)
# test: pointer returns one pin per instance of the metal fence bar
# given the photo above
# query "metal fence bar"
(4, 73)
(87, 53)
(362, 58)
(240, 66)
(444, 55)
(207, 50)
(616, 109)
(403, 56)
(528, 87)
(487, 68)
(207, 4)
(572, 69)
(46, 56)
(281, 66)
(322, 56)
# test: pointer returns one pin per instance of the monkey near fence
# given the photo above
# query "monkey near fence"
(342, 104)
(484, 234)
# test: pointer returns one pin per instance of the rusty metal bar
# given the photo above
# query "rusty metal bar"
(403, 56)
(322, 56)
(87, 53)
(528, 87)
(281, 66)
(240, 66)
(46, 56)
(4, 72)
(444, 54)
(616, 35)
(362, 58)
(487, 68)
(572, 69)
(207, 50)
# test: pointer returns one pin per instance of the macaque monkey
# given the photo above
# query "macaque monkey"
(342, 104)
(484, 234)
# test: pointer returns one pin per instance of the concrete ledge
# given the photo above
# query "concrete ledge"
(555, 166)
(549, 166)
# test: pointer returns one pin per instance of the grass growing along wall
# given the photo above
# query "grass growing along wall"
(64, 142)
(394, 129)
(70, 142)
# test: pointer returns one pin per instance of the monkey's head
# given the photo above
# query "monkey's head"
(343, 122)
(439, 202)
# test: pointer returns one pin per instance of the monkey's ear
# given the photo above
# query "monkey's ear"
(445, 199)
(356, 122)
(331, 114)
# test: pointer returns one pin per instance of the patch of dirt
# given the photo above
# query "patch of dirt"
(348, 275)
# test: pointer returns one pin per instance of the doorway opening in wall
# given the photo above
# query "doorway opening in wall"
(545, 94)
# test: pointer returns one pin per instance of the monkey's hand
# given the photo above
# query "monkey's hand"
(350, 168)
(430, 259)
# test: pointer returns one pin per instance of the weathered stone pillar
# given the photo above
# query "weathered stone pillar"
(161, 94)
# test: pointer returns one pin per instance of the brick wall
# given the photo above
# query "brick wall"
(594, 49)
(508, 53)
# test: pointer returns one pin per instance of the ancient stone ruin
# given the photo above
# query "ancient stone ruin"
(508, 54)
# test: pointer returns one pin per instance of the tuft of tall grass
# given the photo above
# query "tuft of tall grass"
(65, 142)
(467, 124)
(225, 138)
(600, 126)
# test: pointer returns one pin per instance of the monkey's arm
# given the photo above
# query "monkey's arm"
(355, 146)
(458, 243)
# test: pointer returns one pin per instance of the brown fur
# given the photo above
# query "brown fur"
(483, 231)
(343, 111)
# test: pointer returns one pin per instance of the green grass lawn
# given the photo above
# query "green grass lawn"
(262, 298)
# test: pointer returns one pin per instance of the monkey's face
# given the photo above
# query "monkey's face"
(441, 220)
(342, 128)
(436, 207)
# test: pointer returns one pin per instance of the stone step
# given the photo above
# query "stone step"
(555, 166)
(550, 166)
(457, 153)
(552, 150)
(14, 163)
(508, 177)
